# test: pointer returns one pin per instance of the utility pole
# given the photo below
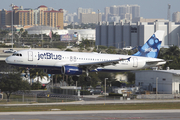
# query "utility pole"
(156, 87)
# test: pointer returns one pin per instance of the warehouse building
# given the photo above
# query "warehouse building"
(122, 34)
(165, 81)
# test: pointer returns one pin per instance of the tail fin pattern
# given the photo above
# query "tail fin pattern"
(152, 46)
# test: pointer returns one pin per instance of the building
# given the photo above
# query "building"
(176, 17)
(90, 17)
(122, 34)
(114, 10)
(45, 30)
(126, 12)
(5, 17)
(106, 13)
(83, 10)
(135, 11)
(89, 34)
(39, 16)
(165, 81)
(81, 33)
(141, 19)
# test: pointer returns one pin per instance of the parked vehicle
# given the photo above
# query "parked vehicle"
(128, 48)
(9, 51)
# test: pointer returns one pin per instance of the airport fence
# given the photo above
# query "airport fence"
(21, 99)
(31, 98)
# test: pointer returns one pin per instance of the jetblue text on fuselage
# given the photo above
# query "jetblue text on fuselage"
(48, 55)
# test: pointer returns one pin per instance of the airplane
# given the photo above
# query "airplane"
(76, 63)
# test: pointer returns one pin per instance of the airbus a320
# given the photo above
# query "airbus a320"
(76, 63)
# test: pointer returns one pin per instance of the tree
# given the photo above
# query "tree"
(103, 75)
(131, 77)
(94, 79)
(173, 54)
(24, 34)
(13, 82)
(82, 82)
(37, 73)
(35, 86)
(68, 49)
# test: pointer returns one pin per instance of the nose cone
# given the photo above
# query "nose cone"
(6, 60)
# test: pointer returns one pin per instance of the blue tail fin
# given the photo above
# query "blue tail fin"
(152, 46)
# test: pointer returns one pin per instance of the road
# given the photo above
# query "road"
(94, 115)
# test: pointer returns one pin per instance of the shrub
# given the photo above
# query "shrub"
(115, 94)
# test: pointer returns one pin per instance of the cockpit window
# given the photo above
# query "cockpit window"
(17, 54)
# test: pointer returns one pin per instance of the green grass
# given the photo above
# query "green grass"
(17, 99)
(150, 106)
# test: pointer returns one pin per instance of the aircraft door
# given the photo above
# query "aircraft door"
(30, 56)
(135, 62)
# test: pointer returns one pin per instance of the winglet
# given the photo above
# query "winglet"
(129, 58)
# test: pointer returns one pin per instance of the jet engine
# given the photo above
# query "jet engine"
(71, 70)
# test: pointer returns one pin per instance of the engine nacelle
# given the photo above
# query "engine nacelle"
(71, 70)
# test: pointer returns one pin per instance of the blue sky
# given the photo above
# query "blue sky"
(148, 8)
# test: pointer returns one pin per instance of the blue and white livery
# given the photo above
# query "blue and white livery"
(76, 63)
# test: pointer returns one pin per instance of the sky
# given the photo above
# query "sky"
(148, 8)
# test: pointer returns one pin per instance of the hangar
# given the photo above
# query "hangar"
(125, 34)
(165, 81)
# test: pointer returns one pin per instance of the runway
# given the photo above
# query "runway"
(94, 115)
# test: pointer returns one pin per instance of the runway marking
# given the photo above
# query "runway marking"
(33, 119)
(135, 118)
(110, 118)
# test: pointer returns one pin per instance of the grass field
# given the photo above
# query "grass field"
(149, 106)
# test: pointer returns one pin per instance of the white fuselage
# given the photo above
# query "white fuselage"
(57, 59)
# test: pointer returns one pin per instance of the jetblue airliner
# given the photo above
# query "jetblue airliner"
(76, 63)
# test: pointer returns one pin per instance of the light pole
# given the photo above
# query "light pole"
(156, 87)
(12, 5)
(105, 85)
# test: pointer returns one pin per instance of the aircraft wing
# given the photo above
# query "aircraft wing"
(94, 65)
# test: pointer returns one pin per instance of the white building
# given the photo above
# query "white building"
(90, 17)
(89, 34)
(166, 81)
(121, 77)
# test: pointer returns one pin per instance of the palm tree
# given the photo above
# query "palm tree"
(39, 73)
